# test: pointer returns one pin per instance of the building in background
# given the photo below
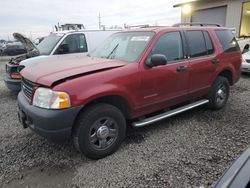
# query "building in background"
(229, 13)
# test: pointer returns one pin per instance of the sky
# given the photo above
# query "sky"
(36, 18)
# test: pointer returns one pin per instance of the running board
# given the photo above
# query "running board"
(169, 113)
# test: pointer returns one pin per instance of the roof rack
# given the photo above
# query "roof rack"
(196, 24)
(136, 26)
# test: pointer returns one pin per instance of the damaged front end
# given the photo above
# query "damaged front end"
(32, 50)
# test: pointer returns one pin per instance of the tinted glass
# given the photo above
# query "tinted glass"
(209, 44)
(126, 46)
(76, 43)
(227, 40)
(170, 45)
(196, 43)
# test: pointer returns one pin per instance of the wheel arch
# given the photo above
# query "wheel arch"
(115, 100)
(118, 101)
(228, 74)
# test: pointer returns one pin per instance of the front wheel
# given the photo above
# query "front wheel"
(219, 93)
(99, 131)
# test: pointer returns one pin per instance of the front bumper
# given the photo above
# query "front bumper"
(55, 125)
(12, 84)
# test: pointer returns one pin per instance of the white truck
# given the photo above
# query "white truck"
(66, 43)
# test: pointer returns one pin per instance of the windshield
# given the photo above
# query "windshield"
(127, 46)
(48, 43)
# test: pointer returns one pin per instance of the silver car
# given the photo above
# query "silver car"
(246, 62)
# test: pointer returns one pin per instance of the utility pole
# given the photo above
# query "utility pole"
(99, 20)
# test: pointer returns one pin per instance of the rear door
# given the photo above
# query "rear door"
(202, 62)
(166, 85)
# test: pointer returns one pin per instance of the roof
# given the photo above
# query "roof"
(145, 29)
(71, 24)
(180, 4)
(150, 28)
(83, 31)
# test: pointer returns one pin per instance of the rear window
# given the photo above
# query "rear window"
(227, 40)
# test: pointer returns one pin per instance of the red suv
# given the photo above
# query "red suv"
(141, 75)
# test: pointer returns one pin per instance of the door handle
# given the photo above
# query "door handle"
(215, 61)
(181, 68)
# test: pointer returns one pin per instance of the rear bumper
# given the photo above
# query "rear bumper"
(55, 125)
(11, 84)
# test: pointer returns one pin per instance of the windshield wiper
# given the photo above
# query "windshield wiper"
(111, 53)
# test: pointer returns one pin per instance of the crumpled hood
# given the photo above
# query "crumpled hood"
(55, 68)
(32, 50)
(25, 41)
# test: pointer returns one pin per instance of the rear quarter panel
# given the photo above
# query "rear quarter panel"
(230, 61)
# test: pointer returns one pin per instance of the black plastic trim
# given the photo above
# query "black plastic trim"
(55, 125)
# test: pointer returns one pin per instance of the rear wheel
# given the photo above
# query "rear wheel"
(99, 131)
(219, 93)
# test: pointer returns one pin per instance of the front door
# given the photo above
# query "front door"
(165, 85)
(73, 45)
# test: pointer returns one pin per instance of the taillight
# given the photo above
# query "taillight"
(16, 76)
(20, 67)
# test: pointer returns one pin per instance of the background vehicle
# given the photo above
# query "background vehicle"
(142, 75)
(246, 62)
(238, 174)
(14, 49)
(67, 43)
(244, 44)
(2, 45)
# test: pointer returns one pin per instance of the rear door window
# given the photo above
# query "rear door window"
(227, 40)
(196, 42)
(209, 44)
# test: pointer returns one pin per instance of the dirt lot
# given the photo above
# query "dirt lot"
(191, 149)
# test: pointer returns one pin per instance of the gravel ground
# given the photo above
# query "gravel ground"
(192, 149)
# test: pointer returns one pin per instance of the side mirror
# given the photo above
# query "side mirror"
(246, 49)
(156, 60)
(63, 49)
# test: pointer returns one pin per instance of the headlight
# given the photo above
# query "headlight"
(46, 98)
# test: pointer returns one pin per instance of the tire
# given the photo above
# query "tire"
(219, 93)
(99, 131)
